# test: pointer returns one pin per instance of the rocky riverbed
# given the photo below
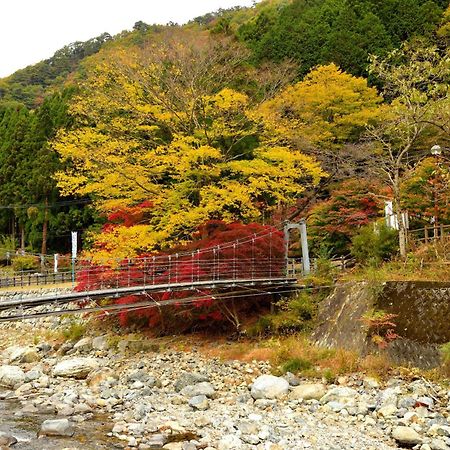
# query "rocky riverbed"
(100, 392)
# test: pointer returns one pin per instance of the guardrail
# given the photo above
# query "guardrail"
(35, 279)
(429, 233)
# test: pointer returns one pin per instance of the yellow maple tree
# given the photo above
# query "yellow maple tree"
(154, 126)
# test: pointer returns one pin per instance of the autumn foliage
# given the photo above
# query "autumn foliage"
(219, 251)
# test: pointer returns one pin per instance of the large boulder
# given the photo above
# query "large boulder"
(269, 387)
(23, 355)
(308, 391)
(75, 368)
(57, 427)
(11, 376)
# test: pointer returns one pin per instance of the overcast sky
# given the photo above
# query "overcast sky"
(32, 30)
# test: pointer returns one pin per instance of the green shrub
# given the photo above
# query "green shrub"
(7, 245)
(26, 262)
(445, 353)
(296, 365)
(294, 315)
(373, 245)
(74, 331)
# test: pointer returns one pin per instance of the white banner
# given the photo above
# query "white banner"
(74, 244)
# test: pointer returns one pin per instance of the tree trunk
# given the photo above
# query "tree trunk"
(398, 212)
(13, 228)
(45, 228)
(22, 237)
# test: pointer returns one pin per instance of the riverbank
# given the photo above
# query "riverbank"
(106, 391)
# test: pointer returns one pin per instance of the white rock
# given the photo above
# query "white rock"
(230, 442)
(343, 395)
(438, 444)
(387, 411)
(308, 391)
(269, 387)
(75, 368)
(406, 435)
(11, 376)
(199, 402)
(58, 427)
(203, 388)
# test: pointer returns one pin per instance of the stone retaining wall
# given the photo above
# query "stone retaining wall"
(423, 319)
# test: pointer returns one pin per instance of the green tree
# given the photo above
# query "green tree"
(416, 80)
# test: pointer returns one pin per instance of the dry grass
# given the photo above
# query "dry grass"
(375, 365)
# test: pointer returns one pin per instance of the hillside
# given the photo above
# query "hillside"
(273, 111)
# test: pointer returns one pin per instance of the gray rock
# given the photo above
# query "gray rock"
(23, 355)
(269, 387)
(11, 376)
(33, 374)
(141, 376)
(199, 402)
(100, 343)
(83, 345)
(75, 368)
(189, 379)
(308, 391)
(292, 379)
(156, 441)
(406, 436)
(57, 427)
(203, 388)
(406, 402)
(343, 395)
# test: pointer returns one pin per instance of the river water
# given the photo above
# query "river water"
(89, 435)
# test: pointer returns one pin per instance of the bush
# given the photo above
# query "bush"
(445, 354)
(296, 365)
(294, 315)
(26, 262)
(74, 331)
(374, 244)
(7, 245)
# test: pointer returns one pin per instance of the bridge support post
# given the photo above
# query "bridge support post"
(301, 226)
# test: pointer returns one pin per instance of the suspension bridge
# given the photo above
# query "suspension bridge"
(250, 267)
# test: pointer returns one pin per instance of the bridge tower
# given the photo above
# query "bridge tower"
(301, 226)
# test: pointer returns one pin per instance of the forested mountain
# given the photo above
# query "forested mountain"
(341, 31)
(246, 114)
(30, 85)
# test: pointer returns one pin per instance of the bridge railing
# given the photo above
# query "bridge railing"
(176, 269)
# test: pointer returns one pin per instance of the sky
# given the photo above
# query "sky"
(32, 30)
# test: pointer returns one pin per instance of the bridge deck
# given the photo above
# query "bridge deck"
(61, 298)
